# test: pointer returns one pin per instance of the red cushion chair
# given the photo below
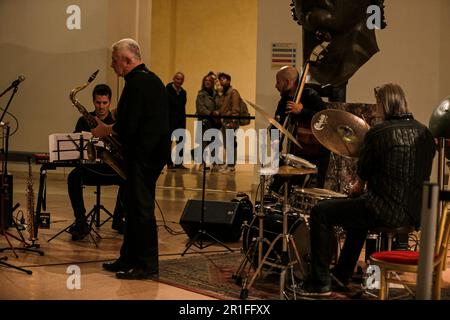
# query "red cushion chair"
(407, 261)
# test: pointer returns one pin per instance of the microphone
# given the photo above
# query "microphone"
(14, 84)
(18, 80)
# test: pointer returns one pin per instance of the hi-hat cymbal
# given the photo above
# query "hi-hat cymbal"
(339, 131)
(287, 171)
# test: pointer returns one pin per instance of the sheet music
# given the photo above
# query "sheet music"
(66, 146)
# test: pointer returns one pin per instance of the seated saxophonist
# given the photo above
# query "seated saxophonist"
(94, 174)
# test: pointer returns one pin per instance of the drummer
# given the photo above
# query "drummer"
(287, 81)
(395, 159)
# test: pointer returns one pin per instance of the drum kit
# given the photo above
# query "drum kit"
(278, 235)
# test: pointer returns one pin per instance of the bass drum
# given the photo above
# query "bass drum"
(273, 225)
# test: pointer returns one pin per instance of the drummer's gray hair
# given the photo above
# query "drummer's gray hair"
(392, 100)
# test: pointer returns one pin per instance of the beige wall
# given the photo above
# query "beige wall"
(196, 36)
(444, 54)
(414, 52)
(274, 25)
(35, 42)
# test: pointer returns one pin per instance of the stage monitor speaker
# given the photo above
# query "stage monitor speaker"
(222, 220)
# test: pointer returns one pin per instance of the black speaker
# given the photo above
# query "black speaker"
(222, 220)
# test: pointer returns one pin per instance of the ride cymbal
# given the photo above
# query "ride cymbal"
(339, 131)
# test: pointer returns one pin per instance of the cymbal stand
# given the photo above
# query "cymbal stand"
(284, 261)
(256, 246)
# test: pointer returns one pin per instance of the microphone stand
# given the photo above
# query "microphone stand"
(9, 102)
(202, 233)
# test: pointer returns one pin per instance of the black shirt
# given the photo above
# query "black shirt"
(83, 125)
(311, 101)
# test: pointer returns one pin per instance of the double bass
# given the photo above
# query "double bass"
(301, 128)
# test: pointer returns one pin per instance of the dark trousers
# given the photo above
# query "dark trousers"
(177, 141)
(229, 146)
(140, 241)
(92, 175)
(355, 218)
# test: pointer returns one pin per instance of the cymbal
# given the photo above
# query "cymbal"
(287, 171)
(339, 131)
(274, 123)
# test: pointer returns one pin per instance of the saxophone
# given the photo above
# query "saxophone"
(31, 217)
(111, 156)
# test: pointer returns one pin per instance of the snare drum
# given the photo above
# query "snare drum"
(304, 199)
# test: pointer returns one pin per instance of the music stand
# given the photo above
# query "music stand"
(95, 212)
(202, 233)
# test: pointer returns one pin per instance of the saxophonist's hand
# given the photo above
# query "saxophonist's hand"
(101, 130)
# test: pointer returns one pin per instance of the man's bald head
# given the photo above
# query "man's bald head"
(288, 73)
(287, 80)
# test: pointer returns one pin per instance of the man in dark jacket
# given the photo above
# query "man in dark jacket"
(142, 126)
(177, 112)
(395, 159)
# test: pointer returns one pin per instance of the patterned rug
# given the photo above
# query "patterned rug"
(212, 275)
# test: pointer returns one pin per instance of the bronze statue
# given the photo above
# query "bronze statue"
(344, 22)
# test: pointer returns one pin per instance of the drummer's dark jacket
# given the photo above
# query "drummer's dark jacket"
(395, 159)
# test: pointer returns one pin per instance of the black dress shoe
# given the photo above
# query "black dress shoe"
(138, 273)
(118, 265)
(79, 231)
(119, 226)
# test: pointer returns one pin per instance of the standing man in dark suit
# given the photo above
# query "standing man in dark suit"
(142, 126)
(177, 112)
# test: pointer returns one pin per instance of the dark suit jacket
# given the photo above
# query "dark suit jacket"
(142, 117)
